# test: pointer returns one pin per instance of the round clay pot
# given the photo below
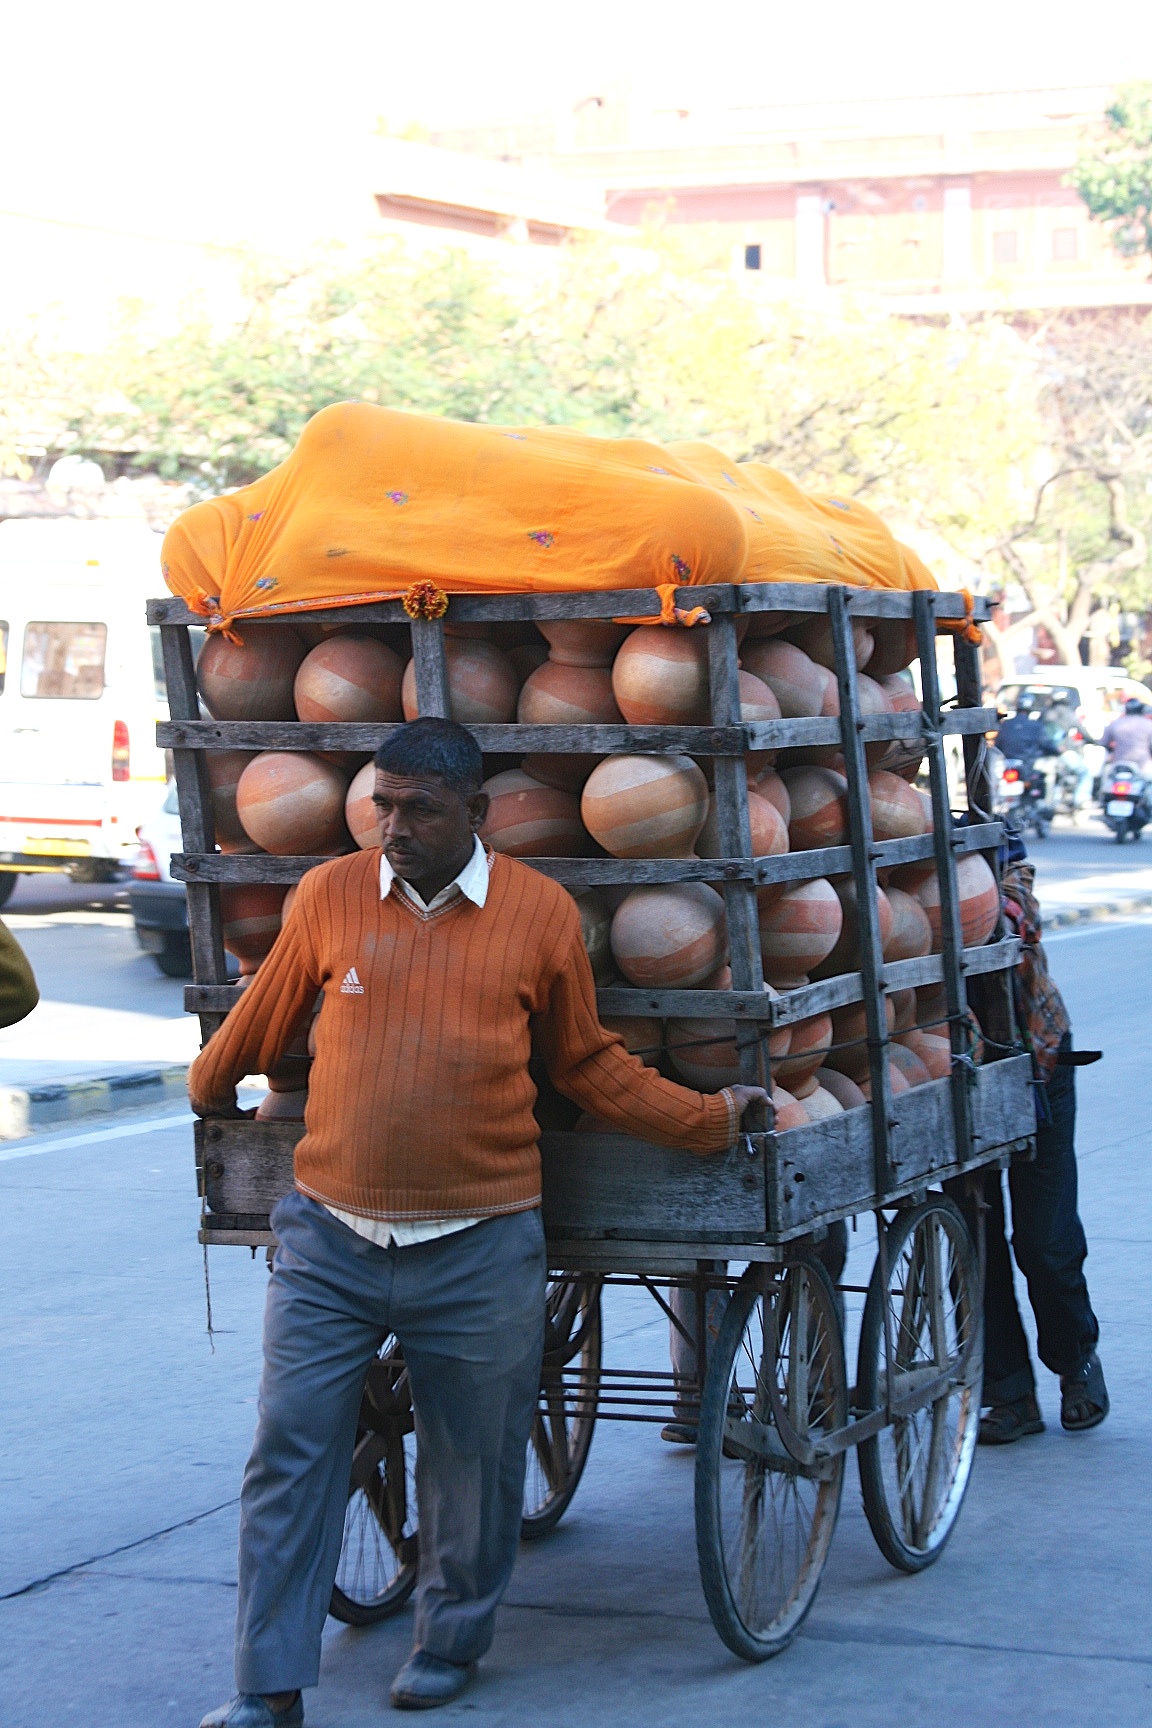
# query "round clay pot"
(766, 825)
(583, 641)
(670, 937)
(596, 928)
(798, 929)
(349, 678)
(251, 679)
(645, 806)
(558, 694)
(250, 915)
(528, 820)
(660, 677)
(798, 684)
(819, 808)
(482, 683)
(291, 802)
(814, 636)
(360, 813)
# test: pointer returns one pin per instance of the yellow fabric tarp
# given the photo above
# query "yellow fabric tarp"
(373, 501)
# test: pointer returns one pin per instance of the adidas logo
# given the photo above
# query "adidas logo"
(351, 985)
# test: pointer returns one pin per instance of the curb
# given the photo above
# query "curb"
(1090, 914)
(24, 1109)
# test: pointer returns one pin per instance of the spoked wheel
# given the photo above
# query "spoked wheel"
(377, 1570)
(566, 1412)
(766, 1500)
(913, 1474)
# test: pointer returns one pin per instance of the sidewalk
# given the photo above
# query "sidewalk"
(110, 1033)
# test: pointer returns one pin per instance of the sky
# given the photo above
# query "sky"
(218, 118)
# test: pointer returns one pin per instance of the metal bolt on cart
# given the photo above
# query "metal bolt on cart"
(774, 1405)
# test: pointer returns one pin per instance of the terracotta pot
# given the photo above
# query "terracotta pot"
(788, 1111)
(224, 768)
(814, 636)
(645, 806)
(644, 1038)
(670, 937)
(660, 677)
(292, 803)
(908, 1063)
(558, 694)
(798, 684)
(845, 957)
(979, 901)
(819, 808)
(349, 678)
(583, 641)
(567, 773)
(528, 820)
(806, 1053)
(766, 825)
(482, 683)
(910, 934)
(849, 1034)
(251, 679)
(360, 813)
(895, 646)
(934, 1052)
(250, 914)
(798, 929)
(898, 811)
(845, 1090)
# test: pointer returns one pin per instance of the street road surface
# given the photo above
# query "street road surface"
(124, 1436)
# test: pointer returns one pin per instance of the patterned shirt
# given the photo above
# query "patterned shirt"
(1040, 1007)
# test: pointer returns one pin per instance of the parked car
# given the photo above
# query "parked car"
(159, 904)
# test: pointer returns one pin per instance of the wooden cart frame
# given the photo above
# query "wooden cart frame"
(622, 1210)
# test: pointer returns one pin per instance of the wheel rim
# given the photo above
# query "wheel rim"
(925, 1457)
(785, 1386)
(377, 1565)
(565, 1415)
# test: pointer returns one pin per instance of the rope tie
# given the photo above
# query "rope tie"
(967, 626)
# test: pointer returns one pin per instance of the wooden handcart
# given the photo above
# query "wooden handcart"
(775, 1409)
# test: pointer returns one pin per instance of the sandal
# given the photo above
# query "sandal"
(1004, 1423)
(1084, 1399)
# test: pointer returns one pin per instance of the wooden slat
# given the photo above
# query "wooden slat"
(623, 602)
(597, 872)
(196, 821)
(356, 737)
(431, 668)
(730, 798)
(745, 1005)
(863, 850)
(924, 612)
(609, 1186)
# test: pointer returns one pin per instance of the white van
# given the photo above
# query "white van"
(81, 690)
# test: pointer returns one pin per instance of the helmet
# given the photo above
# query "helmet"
(1133, 705)
(1023, 703)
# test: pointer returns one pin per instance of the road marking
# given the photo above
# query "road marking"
(22, 1149)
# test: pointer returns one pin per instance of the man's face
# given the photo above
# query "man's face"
(426, 827)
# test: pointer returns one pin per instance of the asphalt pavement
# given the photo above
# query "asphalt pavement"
(125, 1432)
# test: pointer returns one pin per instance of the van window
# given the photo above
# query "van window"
(3, 653)
(63, 660)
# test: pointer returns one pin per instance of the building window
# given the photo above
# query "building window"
(752, 257)
(1004, 246)
(1064, 247)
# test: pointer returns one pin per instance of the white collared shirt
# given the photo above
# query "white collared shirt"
(472, 883)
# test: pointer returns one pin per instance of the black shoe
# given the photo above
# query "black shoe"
(426, 1681)
(679, 1433)
(1004, 1423)
(1084, 1399)
(249, 1710)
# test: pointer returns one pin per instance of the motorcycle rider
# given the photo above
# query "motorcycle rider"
(1128, 738)
(1024, 736)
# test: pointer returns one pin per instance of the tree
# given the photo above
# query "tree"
(1115, 177)
(1080, 553)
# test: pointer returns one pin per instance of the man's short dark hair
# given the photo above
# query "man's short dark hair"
(431, 749)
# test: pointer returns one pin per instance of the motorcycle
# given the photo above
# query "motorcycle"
(1022, 796)
(1125, 801)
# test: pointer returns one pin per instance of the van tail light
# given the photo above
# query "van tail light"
(147, 865)
(120, 751)
(1121, 788)
(1012, 774)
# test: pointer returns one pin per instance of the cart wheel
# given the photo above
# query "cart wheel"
(377, 1570)
(766, 1502)
(913, 1474)
(566, 1413)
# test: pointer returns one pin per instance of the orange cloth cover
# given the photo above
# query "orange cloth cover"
(373, 501)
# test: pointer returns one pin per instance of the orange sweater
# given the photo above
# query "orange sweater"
(420, 1100)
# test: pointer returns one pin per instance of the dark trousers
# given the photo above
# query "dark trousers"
(468, 1309)
(1050, 1249)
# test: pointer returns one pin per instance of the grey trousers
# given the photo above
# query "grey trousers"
(468, 1310)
